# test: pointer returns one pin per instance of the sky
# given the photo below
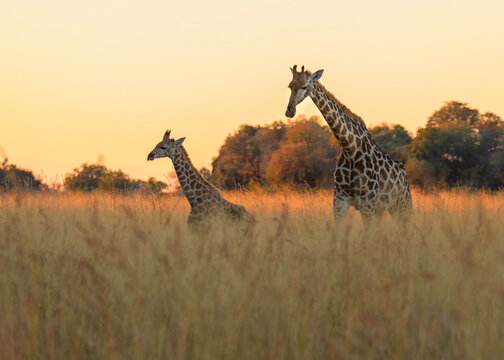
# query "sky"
(89, 81)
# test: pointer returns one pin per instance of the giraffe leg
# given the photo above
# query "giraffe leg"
(371, 211)
(193, 225)
(340, 206)
(195, 222)
(341, 199)
(403, 211)
(370, 216)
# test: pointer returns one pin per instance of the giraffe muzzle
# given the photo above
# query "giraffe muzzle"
(150, 157)
(290, 112)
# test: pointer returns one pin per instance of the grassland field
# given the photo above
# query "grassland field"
(102, 276)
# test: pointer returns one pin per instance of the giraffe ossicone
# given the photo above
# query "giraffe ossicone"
(205, 199)
(365, 176)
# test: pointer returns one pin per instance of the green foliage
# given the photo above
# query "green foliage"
(278, 154)
(245, 154)
(115, 181)
(421, 172)
(458, 144)
(156, 186)
(496, 173)
(238, 160)
(86, 178)
(306, 155)
(453, 114)
(14, 178)
(151, 186)
(90, 177)
(393, 139)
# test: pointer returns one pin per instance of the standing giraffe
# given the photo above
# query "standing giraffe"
(205, 199)
(365, 176)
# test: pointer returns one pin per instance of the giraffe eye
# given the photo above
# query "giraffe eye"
(304, 87)
(164, 148)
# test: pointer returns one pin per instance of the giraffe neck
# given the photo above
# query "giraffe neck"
(194, 186)
(349, 129)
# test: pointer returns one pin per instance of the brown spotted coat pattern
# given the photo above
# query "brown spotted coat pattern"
(365, 176)
(205, 199)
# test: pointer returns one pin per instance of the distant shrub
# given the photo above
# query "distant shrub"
(14, 178)
(85, 178)
(90, 177)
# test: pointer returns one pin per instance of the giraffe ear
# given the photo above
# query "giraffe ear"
(166, 135)
(316, 75)
(179, 141)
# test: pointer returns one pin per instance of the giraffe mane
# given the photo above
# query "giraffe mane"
(184, 151)
(343, 107)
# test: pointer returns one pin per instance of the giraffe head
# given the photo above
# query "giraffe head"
(301, 86)
(166, 148)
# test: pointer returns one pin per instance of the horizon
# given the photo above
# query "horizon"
(90, 81)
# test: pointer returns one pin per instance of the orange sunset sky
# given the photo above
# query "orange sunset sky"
(84, 79)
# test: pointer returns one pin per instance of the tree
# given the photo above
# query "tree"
(496, 174)
(270, 137)
(421, 172)
(90, 177)
(86, 178)
(115, 181)
(156, 186)
(278, 154)
(238, 159)
(453, 114)
(12, 177)
(393, 139)
(488, 171)
(457, 144)
(243, 158)
(151, 186)
(306, 155)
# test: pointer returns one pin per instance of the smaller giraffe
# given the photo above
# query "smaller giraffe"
(205, 199)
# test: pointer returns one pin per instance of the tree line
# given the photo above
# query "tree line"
(86, 178)
(12, 177)
(90, 177)
(459, 146)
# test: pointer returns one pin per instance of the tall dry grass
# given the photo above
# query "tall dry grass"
(113, 277)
